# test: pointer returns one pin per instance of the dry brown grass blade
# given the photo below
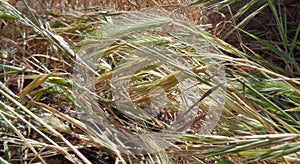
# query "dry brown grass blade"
(23, 138)
(55, 133)
(63, 116)
(35, 83)
(57, 147)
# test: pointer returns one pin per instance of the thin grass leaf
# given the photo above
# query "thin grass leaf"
(281, 24)
(56, 133)
(250, 142)
(3, 161)
(199, 2)
(287, 59)
(279, 151)
(31, 13)
(275, 109)
(34, 84)
(246, 20)
(53, 38)
(215, 41)
(37, 130)
(296, 109)
(6, 16)
(295, 40)
(19, 70)
(22, 137)
(65, 117)
(222, 4)
(245, 8)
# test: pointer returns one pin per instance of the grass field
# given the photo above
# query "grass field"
(130, 81)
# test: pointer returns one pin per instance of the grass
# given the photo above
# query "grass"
(152, 95)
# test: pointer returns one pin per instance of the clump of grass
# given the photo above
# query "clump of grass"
(37, 109)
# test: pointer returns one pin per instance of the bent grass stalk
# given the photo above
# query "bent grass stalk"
(56, 133)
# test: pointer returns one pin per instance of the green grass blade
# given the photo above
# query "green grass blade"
(287, 59)
(295, 40)
(280, 24)
(276, 109)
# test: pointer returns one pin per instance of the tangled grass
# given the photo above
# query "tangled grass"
(42, 119)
